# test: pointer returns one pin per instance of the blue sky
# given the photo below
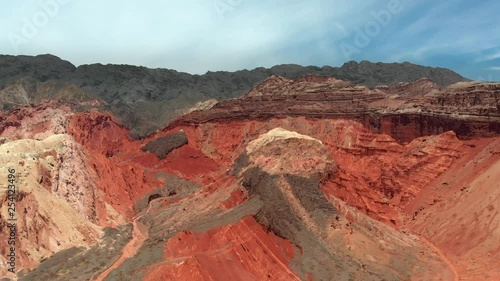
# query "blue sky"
(200, 35)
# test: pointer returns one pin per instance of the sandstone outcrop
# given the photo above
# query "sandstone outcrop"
(63, 201)
(58, 206)
(404, 111)
(306, 179)
(286, 170)
(459, 211)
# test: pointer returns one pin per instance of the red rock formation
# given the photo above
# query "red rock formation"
(109, 146)
(375, 173)
(209, 255)
(404, 111)
(35, 121)
(411, 91)
(400, 186)
(459, 211)
(241, 251)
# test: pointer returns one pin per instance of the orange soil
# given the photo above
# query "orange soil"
(459, 212)
(242, 251)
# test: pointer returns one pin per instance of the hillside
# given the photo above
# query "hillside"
(145, 99)
(306, 179)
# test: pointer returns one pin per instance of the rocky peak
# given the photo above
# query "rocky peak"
(270, 84)
(421, 87)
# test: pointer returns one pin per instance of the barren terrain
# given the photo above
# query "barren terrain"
(306, 179)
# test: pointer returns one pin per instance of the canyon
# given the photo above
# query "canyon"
(311, 178)
(145, 100)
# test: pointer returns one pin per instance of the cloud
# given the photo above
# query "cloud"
(489, 57)
(495, 68)
(197, 35)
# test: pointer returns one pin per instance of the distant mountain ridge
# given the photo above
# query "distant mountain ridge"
(146, 99)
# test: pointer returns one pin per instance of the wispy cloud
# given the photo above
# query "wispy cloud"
(192, 36)
(489, 57)
(495, 68)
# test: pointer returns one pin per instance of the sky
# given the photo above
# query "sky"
(197, 36)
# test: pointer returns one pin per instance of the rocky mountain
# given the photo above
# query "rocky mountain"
(313, 178)
(145, 100)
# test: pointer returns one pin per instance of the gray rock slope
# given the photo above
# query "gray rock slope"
(146, 99)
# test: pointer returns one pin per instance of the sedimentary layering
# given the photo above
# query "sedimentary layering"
(459, 211)
(145, 100)
(306, 179)
(63, 199)
(46, 183)
(285, 170)
(404, 111)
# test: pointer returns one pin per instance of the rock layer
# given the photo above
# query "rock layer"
(418, 109)
(315, 191)
(459, 212)
(294, 207)
(145, 100)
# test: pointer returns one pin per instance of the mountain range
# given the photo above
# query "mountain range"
(128, 173)
(145, 99)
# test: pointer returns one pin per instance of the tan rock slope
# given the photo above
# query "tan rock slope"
(52, 215)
